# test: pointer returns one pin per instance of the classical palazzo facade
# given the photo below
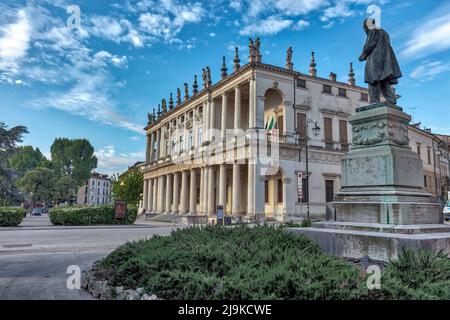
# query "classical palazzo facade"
(240, 142)
(189, 170)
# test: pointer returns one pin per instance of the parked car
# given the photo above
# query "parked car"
(37, 212)
(447, 210)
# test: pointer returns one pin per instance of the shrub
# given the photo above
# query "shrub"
(75, 216)
(11, 217)
(215, 262)
(422, 274)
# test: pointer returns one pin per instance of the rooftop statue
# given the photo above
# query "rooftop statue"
(382, 69)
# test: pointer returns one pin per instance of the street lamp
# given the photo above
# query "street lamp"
(316, 132)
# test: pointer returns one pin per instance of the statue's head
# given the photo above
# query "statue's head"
(369, 24)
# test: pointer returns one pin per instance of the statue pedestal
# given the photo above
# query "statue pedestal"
(382, 205)
(382, 178)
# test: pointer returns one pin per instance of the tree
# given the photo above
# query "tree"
(27, 158)
(39, 184)
(128, 186)
(74, 158)
(9, 138)
(64, 189)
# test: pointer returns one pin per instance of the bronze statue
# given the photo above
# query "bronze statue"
(382, 69)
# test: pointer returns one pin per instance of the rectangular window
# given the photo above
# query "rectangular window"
(342, 92)
(301, 83)
(429, 155)
(266, 191)
(425, 181)
(343, 138)
(419, 151)
(280, 191)
(301, 125)
(174, 145)
(326, 89)
(190, 140)
(364, 97)
(199, 137)
(329, 190)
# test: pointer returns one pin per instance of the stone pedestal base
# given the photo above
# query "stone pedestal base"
(357, 241)
(382, 205)
(382, 178)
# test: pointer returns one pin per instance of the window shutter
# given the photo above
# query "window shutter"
(328, 124)
(343, 131)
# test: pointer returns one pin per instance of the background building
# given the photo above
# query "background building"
(96, 191)
(275, 101)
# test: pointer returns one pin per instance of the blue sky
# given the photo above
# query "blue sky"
(98, 82)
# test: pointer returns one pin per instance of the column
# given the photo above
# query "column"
(184, 191)
(251, 104)
(145, 195)
(152, 142)
(202, 186)
(158, 140)
(212, 117)
(251, 189)
(211, 190)
(237, 107)
(163, 193)
(193, 192)
(223, 123)
(150, 195)
(236, 189)
(169, 193)
(176, 192)
(206, 107)
(223, 185)
(155, 194)
(205, 190)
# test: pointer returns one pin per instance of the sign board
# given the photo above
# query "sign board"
(300, 184)
(219, 211)
(120, 209)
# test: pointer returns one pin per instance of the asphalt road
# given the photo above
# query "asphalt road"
(34, 256)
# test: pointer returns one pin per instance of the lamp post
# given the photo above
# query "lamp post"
(316, 131)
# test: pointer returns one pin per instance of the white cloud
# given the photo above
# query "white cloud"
(300, 25)
(339, 10)
(166, 23)
(89, 98)
(269, 26)
(118, 61)
(429, 70)
(212, 34)
(14, 43)
(110, 162)
(134, 138)
(431, 37)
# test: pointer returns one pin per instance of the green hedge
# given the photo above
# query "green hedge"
(76, 216)
(215, 262)
(11, 217)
